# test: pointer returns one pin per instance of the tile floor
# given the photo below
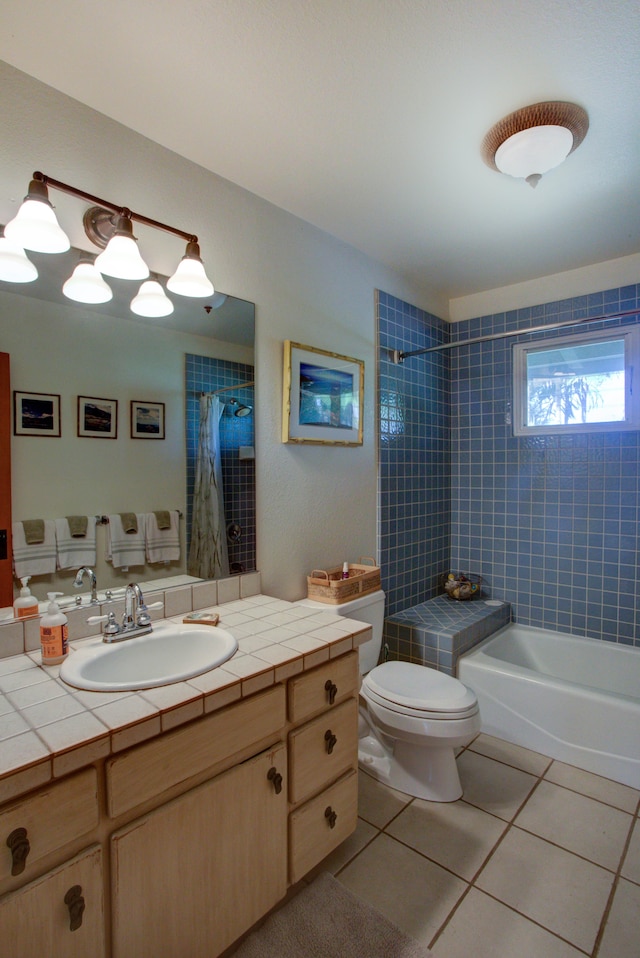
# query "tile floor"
(537, 859)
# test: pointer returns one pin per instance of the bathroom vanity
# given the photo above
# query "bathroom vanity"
(174, 833)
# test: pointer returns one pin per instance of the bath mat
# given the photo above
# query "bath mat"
(325, 920)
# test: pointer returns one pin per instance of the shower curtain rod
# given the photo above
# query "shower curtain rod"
(398, 356)
(224, 389)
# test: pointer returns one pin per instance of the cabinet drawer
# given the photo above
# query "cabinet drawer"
(322, 687)
(50, 819)
(322, 824)
(146, 771)
(322, 750)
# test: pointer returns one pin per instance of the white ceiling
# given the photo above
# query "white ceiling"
(365, 117)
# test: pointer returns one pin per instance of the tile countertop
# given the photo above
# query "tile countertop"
(49, 729)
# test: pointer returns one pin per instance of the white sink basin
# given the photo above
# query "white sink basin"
(171, 653)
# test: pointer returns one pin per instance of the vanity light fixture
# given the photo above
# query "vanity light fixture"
(86, 285)
(151, 300)
(531, 141)
(109, 227)
(15, 265)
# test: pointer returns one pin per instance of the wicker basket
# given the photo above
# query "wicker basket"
(327, 585)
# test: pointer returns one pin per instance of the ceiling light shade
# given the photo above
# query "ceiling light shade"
(534, 140)
(86, 285)
(190, 278)
(151, 300)
(15, 265)
(35, 226)
(122, 258)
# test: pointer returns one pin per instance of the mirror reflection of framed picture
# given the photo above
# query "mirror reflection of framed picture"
(323, 396)
(36, 414)
(97, 418)
(147, 420)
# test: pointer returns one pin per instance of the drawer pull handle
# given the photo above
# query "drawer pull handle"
(331, 740)
(330, 816)
(75, 903)
(20, 848)
(274, 776)
(332, 690)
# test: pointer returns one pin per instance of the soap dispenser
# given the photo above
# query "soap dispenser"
(54, 631)
(26, 604)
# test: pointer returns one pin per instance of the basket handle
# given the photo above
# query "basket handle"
(369, 559)
(315, 573)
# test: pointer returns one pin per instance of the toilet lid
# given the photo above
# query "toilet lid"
(419, 687)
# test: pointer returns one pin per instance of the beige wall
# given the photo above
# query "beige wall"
(316, 506)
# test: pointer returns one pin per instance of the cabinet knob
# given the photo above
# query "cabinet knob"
(20, 848)
(330, 740)
(75, 903)
(331, 690)
(330, 816)
(274, 776)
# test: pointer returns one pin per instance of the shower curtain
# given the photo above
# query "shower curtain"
(208, 555)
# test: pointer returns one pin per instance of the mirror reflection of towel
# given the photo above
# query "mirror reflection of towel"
(77, 526)
(33, 531)
(129, 522)
(39, 559)
(74, 551)
(163, 518)
(124, 549)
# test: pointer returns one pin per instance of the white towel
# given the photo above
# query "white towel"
(163, 545)
(75, 552)
(37, 559)
(125, 548)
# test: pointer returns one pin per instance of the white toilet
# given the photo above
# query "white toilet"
(412, 718)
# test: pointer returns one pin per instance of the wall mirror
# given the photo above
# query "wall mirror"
(73, 351)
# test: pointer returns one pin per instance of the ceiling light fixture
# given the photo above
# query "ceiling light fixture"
(151, 300)
(15, 265)
(109, 227)
(86, 285)
(530, 142)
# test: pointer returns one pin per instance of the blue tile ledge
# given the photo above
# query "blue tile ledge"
(48, 729)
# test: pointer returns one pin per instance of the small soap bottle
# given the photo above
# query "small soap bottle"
(54, 641)
(345, 570)
(26, 604)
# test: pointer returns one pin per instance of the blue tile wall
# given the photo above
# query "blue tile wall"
(414, 455)
(551, 523)
(203, 374)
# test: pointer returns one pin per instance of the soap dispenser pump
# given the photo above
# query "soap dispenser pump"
(26, 604)
(54, 633)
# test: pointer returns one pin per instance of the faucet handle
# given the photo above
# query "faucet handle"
(143, 612)
(111, 628)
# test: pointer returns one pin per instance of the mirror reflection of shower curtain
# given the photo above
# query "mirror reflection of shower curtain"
(208, 554)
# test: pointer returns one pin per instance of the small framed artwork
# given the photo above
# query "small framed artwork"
(36, 414)
(147, 420)
(97, 418)
(322, 397)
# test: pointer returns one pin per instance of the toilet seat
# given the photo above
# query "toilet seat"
(418, 691)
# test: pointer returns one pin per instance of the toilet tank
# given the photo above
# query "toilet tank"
(366, 608)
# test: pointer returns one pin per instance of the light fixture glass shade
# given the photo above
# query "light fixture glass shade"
(35, 227)
(15, 265)
(151, 300)
(190, 278)
(535, 151)
(121, 257)
(86, 285)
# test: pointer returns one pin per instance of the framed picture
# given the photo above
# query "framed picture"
(97, 418)
(322, 399)
(36, 414)
(147, 420)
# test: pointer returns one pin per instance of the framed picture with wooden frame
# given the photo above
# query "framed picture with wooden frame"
(97, 418)
(36, 414)
(322, 397)
(147, 420)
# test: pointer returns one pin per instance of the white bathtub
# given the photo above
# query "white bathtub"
(574, 699)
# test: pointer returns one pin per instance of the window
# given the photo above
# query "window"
(581, 383)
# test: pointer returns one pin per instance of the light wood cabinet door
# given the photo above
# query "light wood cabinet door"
(321, 824)
(36, 921)
(323, 687)
(193, 875)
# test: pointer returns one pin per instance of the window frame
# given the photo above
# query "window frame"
(631, 337)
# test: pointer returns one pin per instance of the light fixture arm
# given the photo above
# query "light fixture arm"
(120, 210)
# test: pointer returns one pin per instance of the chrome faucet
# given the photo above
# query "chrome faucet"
(135, 621)
(92, 578)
